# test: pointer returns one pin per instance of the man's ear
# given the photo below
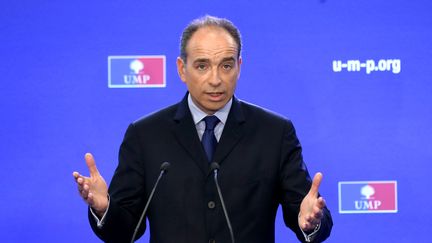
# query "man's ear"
(181, 68)
(239, 61)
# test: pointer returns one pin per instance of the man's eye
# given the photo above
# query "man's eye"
(227, 66)
(201, 67)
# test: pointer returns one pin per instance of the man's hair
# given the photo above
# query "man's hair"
(205, 22)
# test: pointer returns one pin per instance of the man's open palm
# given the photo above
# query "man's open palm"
(93, 189)
(311, 208)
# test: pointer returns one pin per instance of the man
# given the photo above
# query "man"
(259, 155)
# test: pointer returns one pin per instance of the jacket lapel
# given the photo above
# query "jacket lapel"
(232, 133)
(187, 136)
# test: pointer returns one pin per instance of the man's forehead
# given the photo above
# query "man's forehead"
(212, 42)
(216, 54)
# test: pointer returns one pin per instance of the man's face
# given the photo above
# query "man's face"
(211, 69)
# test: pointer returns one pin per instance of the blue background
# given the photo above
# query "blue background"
(55, 104)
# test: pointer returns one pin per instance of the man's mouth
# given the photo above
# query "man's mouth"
(216, 96)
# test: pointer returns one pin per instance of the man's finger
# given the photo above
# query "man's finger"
(321, 202)
(84, 192)
(80, 181)
(91, 164)
(315, 184)
(90, 200)
(318, 215)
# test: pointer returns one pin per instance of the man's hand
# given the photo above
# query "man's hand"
(311, 208)
(93, 189)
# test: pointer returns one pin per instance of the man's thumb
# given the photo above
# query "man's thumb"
(91, 164)
(316, 183)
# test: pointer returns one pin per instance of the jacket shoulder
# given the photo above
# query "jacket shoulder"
(161, 116)
(253, 111)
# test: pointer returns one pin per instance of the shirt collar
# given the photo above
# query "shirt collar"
(198, 114)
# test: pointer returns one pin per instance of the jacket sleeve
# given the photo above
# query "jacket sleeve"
(126, 192)
(295, 183)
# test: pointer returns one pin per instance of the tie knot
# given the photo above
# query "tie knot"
(211, 122)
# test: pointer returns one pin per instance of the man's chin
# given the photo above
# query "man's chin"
(213, 107)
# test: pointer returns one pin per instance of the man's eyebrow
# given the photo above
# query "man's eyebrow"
(207, 60)
(228, 59)
(201, 60)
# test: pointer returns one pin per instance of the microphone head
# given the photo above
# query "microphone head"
(214, 166)
(165, 166)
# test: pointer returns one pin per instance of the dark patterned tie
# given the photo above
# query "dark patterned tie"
(209, 139)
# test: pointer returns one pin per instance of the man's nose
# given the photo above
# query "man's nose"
(215, 78)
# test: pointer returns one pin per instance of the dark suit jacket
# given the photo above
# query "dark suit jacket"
(261, 167)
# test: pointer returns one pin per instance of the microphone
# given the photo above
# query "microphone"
(163, 169)
(214, 166)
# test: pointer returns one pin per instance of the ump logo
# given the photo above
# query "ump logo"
(367, 197)
(136, 71)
